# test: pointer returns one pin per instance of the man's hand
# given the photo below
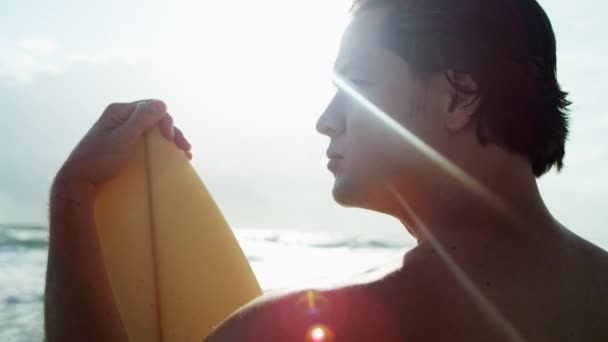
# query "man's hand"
(109, 145)
(79, 304)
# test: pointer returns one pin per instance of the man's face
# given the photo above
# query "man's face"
(365, 154)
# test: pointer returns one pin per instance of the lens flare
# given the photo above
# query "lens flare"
(319, 333)
(489, 197)
(311, 302)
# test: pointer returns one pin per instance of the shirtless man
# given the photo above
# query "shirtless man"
(471, 80)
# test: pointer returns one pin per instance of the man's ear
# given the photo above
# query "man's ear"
(464, 100)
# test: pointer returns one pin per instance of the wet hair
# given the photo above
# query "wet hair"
(507, 47)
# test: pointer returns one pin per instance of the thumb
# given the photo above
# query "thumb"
(146, 115)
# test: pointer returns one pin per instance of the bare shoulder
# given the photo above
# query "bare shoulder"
(593, 266)
(590, 261)
(409, 304)
(352, 313)
(425, 300)
(594, 252)
(238, 325)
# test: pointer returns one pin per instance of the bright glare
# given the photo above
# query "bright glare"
(254, 77)
(265, 53)
(318, 334)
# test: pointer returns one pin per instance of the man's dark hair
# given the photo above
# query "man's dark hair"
(508, 48)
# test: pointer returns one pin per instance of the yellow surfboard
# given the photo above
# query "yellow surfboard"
(175, 267)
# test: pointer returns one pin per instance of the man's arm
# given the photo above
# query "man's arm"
(79, 304)
(78, 299)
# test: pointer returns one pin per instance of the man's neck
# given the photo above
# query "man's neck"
(451, 209)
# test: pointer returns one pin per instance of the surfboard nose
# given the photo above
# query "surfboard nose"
(175, 266)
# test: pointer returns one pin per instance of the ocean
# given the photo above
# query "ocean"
(280, 259)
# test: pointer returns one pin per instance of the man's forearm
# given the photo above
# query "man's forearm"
(78, 301)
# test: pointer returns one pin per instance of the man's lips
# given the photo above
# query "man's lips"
(334, 160)
(333, 165)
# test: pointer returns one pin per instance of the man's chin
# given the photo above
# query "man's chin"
(345, 194)
(348, 193)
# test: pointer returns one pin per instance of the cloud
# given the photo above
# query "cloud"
(38, 46)
(97, 58)
(22, 60)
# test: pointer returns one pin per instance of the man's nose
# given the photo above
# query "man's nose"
(332, 121)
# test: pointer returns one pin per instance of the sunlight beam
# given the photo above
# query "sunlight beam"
(452, 169)
(460, 175)
(478, 297)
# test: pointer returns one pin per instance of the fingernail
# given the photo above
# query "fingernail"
(155, 106)
(140, 105)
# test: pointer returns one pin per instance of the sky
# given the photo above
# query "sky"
(246, 82)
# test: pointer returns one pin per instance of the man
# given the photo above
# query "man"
(473, 83)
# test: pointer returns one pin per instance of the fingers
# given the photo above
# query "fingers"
(137, 117)
(181, 141)
(166, 127)
(116, 114)
(145, 115)
(120, 108)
